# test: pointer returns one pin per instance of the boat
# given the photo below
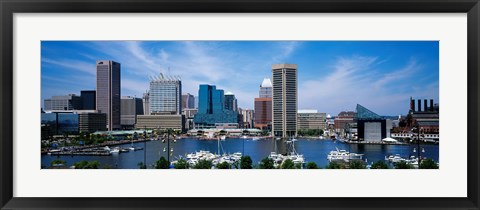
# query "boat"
(53, 151)
(394, 158)
(223, 137)
(115, 150)
(123, 150)
(255, 139)
(343, 155)
(397, 158)
(244, 137)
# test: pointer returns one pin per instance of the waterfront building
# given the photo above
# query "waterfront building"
(176, 122)
(92, 122)
(247, 117)
(88, 98)
(130, 108)
(146, 103)
(165, 95)
(263, 113)
(108, 92)
(211, 108)
(230, 102)
(59, 123)
(371, 127)
(228, 129)
(263, 106)
(341, 121)
(188, 101)
(311, 119)
(284, 100)
(226, 125)
(62, 103)
(427, 119)
(189, 116)
(265, 89)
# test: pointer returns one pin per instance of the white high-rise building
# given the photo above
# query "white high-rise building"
(265, 89)
(165, 96)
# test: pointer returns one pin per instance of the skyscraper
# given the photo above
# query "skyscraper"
(285, 100)
(108, 92)
(188, 101)
(263, 106)
(165, 95)
(230, 102)
(211, 108)
(265, 89)
(88, 99)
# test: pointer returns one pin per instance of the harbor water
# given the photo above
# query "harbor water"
(313, 150)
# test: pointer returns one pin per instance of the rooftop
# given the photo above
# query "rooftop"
(266, 83)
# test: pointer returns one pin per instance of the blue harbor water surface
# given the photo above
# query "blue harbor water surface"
(312, 149)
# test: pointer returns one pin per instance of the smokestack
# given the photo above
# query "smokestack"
(425, 105)
(412, 104)
(419, 105)
(431, 105)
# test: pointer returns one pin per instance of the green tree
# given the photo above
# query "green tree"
(379, 165)
(287, 164)
(312, 165)
(92, 165)
(141, 165)
(266, 163)
(81, 164)
(203, 164)
(246, 162)
(428, 164)
(58, 162)
(181, 164)
(335, 165)
(357, 164)
(403, 165)
(87, 164)
(162, 163)
(223, 165)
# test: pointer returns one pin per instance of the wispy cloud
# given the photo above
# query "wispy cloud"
(70, 64)
(356, 80)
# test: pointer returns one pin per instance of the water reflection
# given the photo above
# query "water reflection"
(313, 150)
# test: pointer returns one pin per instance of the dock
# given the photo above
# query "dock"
(373, 142)
(81, 153)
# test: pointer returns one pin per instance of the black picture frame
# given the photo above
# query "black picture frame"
(10, 7)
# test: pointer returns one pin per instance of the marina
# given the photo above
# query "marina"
(305, 150)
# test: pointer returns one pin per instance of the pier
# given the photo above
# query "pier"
(81, 153)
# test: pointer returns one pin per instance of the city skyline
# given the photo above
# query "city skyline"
(332, 76)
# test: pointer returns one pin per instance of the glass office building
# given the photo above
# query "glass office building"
(60, 123)
(88, 99)
(211, 108)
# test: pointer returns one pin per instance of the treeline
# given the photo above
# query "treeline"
(310, 132)
(247, 163)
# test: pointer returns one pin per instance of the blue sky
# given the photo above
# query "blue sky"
(333, 76)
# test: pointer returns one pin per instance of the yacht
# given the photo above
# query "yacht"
(115, 150)
(343, 155)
